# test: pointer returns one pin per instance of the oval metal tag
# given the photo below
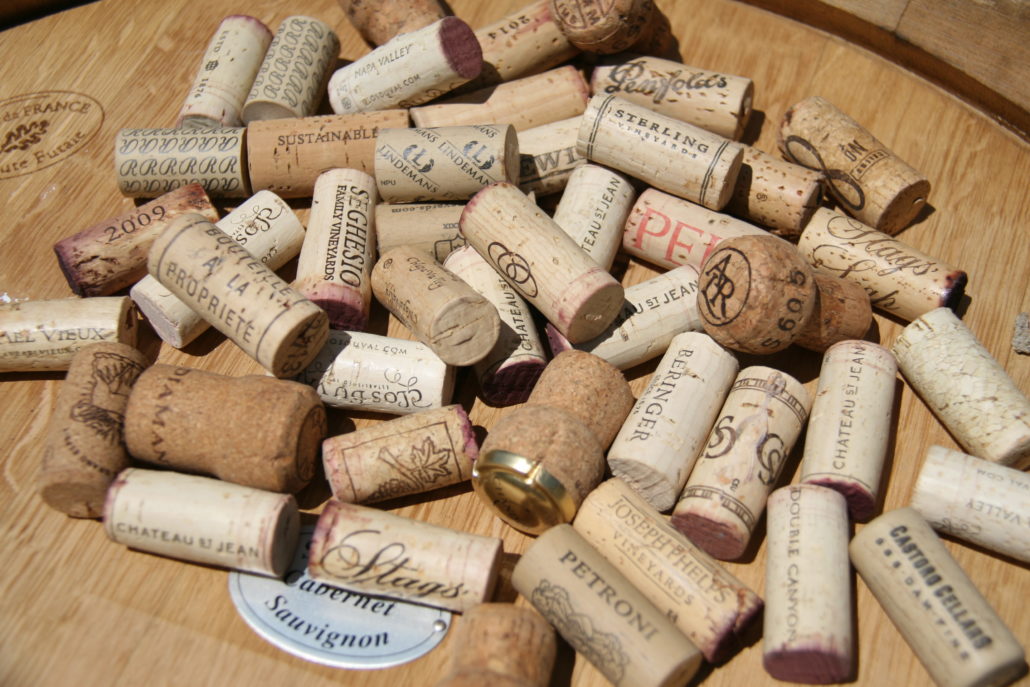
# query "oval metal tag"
(332, 626)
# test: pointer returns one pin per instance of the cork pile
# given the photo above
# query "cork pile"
(498, 261)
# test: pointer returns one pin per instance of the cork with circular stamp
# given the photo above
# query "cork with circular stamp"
(755, 294)
(603, 26)
(380, 20)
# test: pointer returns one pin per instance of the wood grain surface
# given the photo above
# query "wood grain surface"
(76, 609)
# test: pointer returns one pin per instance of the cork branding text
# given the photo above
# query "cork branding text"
(41, 129)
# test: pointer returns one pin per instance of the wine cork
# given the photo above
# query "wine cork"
(287, 155)
(294, 73)
(226, 72)
(523, 103)
(775, 193)
(899, 279)
(657, 39)
(653, 312)
(112, 254)
(368, 372)
(378, 21)
(952, 629)
(975, 500)
(38, 336)
(602, 26)
(667, 231)
(966, 388)
(238, 295)
(335, 266)
(440, 309)
(510, 370)
(263, 224)
(85, 448)
(176, 419)
(541, 262)
(430, 227)
(869, 181)
(807, 635)
(408, 70)
(448, 163)
(705, 601)
(411, 454)
(670, 155)
(601, 614)
(847, 439)
(841, 312)
(756, 294)
(203, 520)
(501, 642)
(593, 210)
(151, 162)
(714, 101)
(745, 453)
(372, 551)
(548, 157)
(662, 438)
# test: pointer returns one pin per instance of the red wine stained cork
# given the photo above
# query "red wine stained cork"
(952, 629)
(412, 454)
(176, 418)
(869, 181)
(899, 279)
(238, 295)
(756, 294)
(37, 336)
(975, 500)
(601, 614)
(841, 312)
(360, 371)
(335, 266)
(668, 231)
(705, 601)
(508, 373)
(415, 561)
(746, 450)
(440, 309)
(775, 193)
(431, 227)
(448, 163)
(263, 224)
(203, 520)
(502, 645)
(593, 210)
(288, 155)
(112, 254)
(847, 437)
(151, 162)
(714, 101)
(380, 20)
(541, 262)
(548, 157)
(294, 73)
(671, 155)
(524, 103)
(225, 74)
(665, 432)
(966, 388)
(654, 311)
(85, 447)
(408, 70)
(807, 635)
(602, 26)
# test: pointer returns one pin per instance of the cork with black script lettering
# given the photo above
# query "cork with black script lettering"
(776, 194)
(380, 20)
(601, 614)
(151, 162)
(841, 312)
(867, 179)
(548, 157)
(952, 629)
(375, 552)
(602, 26)
(432, 227)
(178, 418)
(85, 445)
(593, 209)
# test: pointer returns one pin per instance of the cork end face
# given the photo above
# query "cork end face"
(344, 306)
(283, 537)
(812, 666)
(75, 499)
(901, 211)
(718, 539)
(720, 198)
(66, 258)
(301, 344)
(511, 384)
(466, 331)
(952, 294)
(728, 640)
(589, 306)
(460, 47)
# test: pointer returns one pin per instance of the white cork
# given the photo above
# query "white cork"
(593, 210)
(548, 156)
(151, 162)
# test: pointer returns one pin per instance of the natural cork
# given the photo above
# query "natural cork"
(593, 210)
(841, 312)
(432, 227)
(548, 157)
(775, 193)
(380, 20)
(603, 26)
